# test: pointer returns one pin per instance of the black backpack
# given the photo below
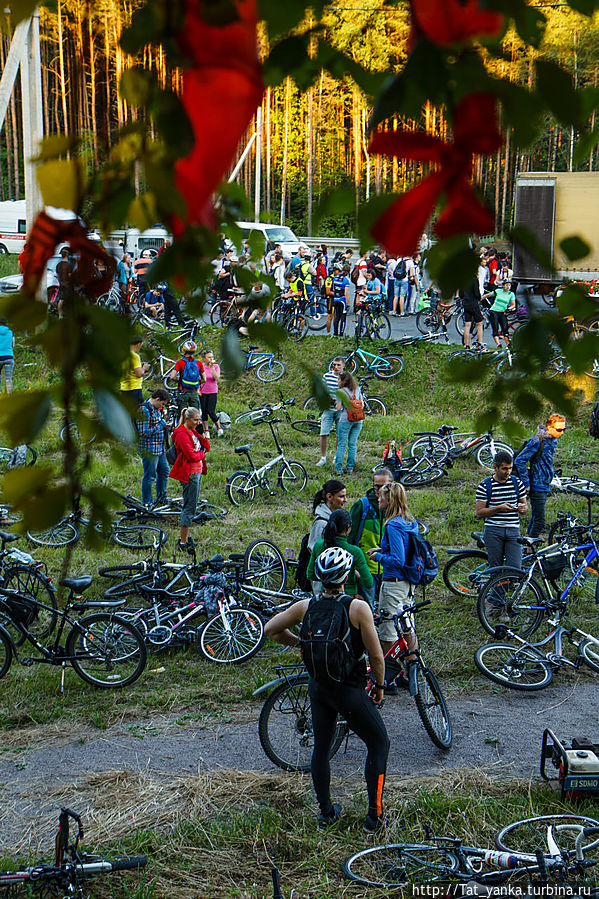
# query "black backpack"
(400, 271)
(302, 561)
(594, 422)
(325, 640)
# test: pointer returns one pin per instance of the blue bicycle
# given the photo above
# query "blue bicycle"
(268, 367)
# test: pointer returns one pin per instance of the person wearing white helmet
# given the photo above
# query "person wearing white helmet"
(328, 699)
(189, 374)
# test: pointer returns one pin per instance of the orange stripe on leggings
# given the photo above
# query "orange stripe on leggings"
(379, 794)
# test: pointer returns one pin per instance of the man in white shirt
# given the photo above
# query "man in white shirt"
(330, 416)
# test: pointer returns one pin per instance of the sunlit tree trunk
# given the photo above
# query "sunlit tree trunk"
(61, 68)
(285, 149)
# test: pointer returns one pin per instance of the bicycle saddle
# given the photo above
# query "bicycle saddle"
(236, 557)
(477, 536)
(252, 346)
(9, 538)
(448, 428)
(530, 541)
(243, 449)
(77, 584)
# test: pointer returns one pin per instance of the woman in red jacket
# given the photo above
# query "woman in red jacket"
(189, 465)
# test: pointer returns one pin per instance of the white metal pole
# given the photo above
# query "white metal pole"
(242, 159)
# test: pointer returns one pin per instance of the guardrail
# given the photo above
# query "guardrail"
(334, 243)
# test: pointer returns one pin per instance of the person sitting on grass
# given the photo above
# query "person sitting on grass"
(153, 303)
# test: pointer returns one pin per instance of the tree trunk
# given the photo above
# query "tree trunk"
(285, 150)
(505, 178)
(268, 151)
(310, 159)
(92, 85)
(63, 85)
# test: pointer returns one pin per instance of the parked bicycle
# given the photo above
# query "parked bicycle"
(448, 443)
(243, 484)
(223, 312)
(438, 315)
(102, 648)
(71, 867)
(285, 723)
(259, 413)
(371, 321)
(550, 849)
(383, 365)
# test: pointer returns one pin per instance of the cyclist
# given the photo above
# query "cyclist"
(154, 303)
(504, 302)
(367, 529)
(538, 453)
(336, 533)
(209, 393)
(500, 499)
(133, 372)
(189, 374)
(64, 273)
(349, 698)
(341, 285)
(296, 289)
(307, 273)
(331, 496)
(140, 268)
(374, 288)
(330, 417)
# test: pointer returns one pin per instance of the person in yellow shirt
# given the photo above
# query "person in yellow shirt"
(133, 373)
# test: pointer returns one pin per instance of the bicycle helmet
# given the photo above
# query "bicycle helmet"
(333, 566)
(189, 347)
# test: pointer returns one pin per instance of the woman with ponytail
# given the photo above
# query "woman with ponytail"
(331, 496)
(189, 466)
(335, 533)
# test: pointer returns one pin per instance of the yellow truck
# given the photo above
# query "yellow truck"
(555, 205)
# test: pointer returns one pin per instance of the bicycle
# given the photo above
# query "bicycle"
(71, 867)
(259, 413)
(21, 573)
(224, 311)
(371, 321)
(242, 484)
(383, 365)
(438, 315)
(291, 316)
(103, 649)
(285, 723)
(550, 847)
(268, 367)
(567, 525)
(14, 457)
(166, 511)
(448, 443)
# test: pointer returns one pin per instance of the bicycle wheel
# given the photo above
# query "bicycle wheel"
(264, 566)
(464, 573)
(5, 653)
(589, 650)
(427, 322)
(432, 707)
(380, 327)
(106, 650)
(210, 510)
(292, 476)
(297, 327)
(62, 534)
(238, 490)
(399, 864)
(430, 446)
(232, 636)
(374, 405)
(485, 455)
(387, 367)
(421, 475)
(511, 600)
(221, 313)
(137, 536)
(31, 583)
(519, 669)
(317, 319)
(593, 372)
(270, 370)
(530, 834)
(251, 416)
(460, 321)
(307, 425)
(285, 726)
(26, 455)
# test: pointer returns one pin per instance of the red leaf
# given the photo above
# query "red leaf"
(408, 144)
(464, 213)
(401, 225)
(448, 22)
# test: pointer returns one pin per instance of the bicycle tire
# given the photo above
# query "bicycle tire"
(512, 665)
(431, 446)
(510, 599)
(296, 327)
(169, 383)
(594, 372)
(95, 641)
(117, 571)
(485, 457)
(251, 416)
(317, 320)
(238, 491)
(374, 405)
(529, 834)
(210, 510)
(590, 653)
(399, 864)
(270, 371)
(6, 454)
(64, 533)
(427, 322)
(5, 652)
(417, 477)
(381, 326)
(388, 367)
(220, 313)
(460, 322)
(285, 726)
(306, 425)
(137, 536)
(264, 566)
(31, 583)
(292, 477)
(466, 571)
(234, 641)
(432, 708)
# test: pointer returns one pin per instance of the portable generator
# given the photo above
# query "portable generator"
(577, 764)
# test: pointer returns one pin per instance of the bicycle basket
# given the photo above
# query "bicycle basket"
(554, 564)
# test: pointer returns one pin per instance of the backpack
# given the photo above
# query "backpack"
(366, 509)
(488, 482)
(421, 565)
(189, 376)
(355, 410)
(400, 271)
(594, 422)
(355, 274)
(325, 640)
(535, 456)
(302, 561)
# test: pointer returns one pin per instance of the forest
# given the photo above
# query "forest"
(313, 132)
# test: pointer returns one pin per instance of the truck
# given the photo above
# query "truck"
(133, 241)
(13, 226)
(555, 205)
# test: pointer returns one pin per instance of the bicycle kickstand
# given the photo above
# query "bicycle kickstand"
(64, 668)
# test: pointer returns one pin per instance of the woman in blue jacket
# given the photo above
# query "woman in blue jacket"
(395, 590)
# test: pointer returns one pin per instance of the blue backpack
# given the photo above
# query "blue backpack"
(421, 565)
(190, 375)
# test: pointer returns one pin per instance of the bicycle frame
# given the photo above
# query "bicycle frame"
(556, 659)
(255, 358)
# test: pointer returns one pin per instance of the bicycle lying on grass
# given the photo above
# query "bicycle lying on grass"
(285, 723)
(71, 868)
(448, 443)
(268, 367)
(382, 365)
(243, 484)
(545, 850)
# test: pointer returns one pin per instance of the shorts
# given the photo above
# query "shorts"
(473, 314)
(393, 597)
(330, 301)
(404, 288)
(328, 420)
(8, 365)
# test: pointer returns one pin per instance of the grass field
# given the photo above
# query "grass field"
(228, 832)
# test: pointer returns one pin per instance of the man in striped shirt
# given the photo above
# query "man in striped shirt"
(330, 416)
(500, 500)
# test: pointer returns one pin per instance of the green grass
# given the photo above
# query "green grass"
(240, 834)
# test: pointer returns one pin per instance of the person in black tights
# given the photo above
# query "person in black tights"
(349, 698)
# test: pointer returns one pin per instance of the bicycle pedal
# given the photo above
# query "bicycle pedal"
(28, 662)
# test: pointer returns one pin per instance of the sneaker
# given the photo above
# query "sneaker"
(391, 690)
(373, 824)
(183, 547)
(206, 434)
(220, 432)
(325, 821)
(322, 461)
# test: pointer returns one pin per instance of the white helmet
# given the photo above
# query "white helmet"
(333, 566)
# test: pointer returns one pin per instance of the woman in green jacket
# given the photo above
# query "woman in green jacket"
(335, 534)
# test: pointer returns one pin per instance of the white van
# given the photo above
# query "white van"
(272, 234)
(13, 226)
(133, 241)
